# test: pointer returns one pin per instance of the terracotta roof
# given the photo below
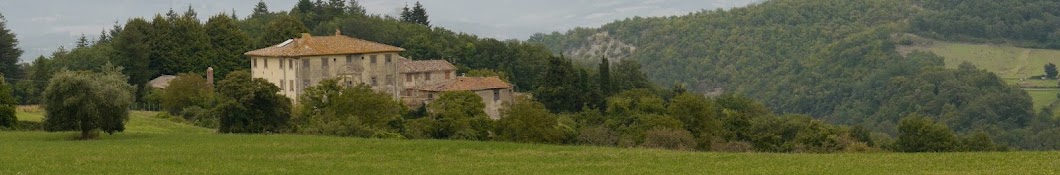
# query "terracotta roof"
(467, 84)
(161, 82)
(408, 66)
(309, 45)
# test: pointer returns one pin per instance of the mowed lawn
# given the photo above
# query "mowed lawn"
(163, 147)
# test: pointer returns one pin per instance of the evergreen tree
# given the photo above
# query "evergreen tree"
(282, 28)
(406, 14)
(190, 54)
(133, 53)
(355, 8)
(9, 51)
(604, 76)
(259, 10)
(419, 15)
(82, 42)
(161, 42)
(559, 88)
(103, 37)
(628, 75)
(1050, 71)
(227, 44)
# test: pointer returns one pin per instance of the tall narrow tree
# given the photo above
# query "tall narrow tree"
(9, 51)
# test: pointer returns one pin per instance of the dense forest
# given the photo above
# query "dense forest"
(836, 60)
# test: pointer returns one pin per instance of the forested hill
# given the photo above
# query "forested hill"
(834, 59)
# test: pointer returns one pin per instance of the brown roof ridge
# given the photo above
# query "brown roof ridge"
(309, 45)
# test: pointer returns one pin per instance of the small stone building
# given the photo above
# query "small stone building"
(495, 93)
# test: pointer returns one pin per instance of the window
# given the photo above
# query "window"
(282, 83)
(496, 94)
(290, 65)
(255, 63)
(408, 77)
(349, 83)
(305, 63)
(430, 96)
(305, 83)
(323, 62)
(292, 85)
(349, 59)
(447, 74)
(388, 56)
(371, 59)
(266, 62)
(390, 80)
(281, 67)
(427, 76)
(374, 82)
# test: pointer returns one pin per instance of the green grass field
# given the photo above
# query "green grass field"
(1013, 64)
(1007, 61)
(156, 146)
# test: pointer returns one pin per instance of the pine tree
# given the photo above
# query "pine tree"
(82, 42)
(406, 14)
(103, 37)
(133, 54)
(190, 53)
(227, 44)
(161, 42)
(9, 51)
(355, 8)
(260, 9)
(419, 15)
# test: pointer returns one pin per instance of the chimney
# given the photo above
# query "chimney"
(209, 76)
(338, 32)
(305, 39)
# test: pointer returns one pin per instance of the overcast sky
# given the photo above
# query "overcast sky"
(43, 25)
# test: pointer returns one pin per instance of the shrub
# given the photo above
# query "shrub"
(599, 136)
(7, 106)
(731, 146)
(185, 91)
(459, 115)
(920, 134)
(199, 117)
(675, 139)
(528, 121)
(251, 105)
(331, 109)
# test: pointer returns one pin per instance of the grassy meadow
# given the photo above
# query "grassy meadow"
(1013, 64)
(158, 146)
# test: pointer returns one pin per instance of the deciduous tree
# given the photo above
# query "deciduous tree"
(88, 102)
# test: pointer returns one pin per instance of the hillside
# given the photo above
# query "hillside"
(833, 59)
(1012, 63)
(154, 146)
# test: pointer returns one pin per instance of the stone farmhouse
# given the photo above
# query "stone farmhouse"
(300, 63)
